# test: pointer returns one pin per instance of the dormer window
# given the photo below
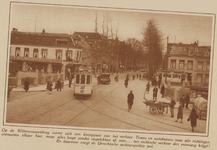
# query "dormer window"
(62, 41)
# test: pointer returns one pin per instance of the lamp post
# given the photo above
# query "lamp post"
(167, 59)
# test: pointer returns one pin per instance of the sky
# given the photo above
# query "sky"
(179, 27)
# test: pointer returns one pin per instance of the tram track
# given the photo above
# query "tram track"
(148, 118)
(90, 108)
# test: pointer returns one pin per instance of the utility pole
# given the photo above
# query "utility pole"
(166, 60)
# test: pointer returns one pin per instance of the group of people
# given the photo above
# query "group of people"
(193, 115)
(155, 90)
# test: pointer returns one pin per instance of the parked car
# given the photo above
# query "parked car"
(104, 78)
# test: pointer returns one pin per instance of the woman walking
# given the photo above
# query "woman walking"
(180, 113)
(193, 118)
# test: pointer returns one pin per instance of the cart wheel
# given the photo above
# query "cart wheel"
(160, 110)
(153, 109)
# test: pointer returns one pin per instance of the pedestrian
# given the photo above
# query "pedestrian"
(130, 99)
(148, 87)
(187, 100)
(155, 90)
(70, 80)
(162, 90)
(180, 112)
(50, 85)
(58, 85)
(182, 100)
(159, 83)
(126, 83)
(139, 76)
(26, 85)
(133, 77)
(172, 104)
(193, 118)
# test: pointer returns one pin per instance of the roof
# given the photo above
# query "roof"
(89, 35)
(41, 39)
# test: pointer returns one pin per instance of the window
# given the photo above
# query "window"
(173, 64)
(207, 78)
(190, 65)
(44, 53)
(207, 66)
(26, 52)
(69, 54)
(58, 54)
(88, 79)
(35, 53)
(82, 79)
(77, 79)
(17, 51)
(199, 78)
(181, 64)
(200, 66)
(62, 41)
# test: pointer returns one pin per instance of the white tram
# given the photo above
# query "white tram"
(83, 84)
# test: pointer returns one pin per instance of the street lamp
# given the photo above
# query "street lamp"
(167, 53)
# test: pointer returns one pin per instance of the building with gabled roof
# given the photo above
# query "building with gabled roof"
(44, 56)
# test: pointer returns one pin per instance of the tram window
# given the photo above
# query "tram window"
(77, 79)
(88, 79)
(82, 79)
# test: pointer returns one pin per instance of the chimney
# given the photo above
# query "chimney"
(14, 30)
(43, 31)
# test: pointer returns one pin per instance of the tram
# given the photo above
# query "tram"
(176, 77)
(83, 83)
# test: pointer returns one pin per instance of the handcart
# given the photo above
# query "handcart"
(156, 106)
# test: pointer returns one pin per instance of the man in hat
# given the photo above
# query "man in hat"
(130, 99)
(172, 104)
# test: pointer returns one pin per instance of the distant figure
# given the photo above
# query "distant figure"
(148, 87)
(49, 87)
(133, 77)
(58, 85)
(130, 99)
(70, 80)
(193, 118)
(162, 90)
(172, 104)
(180, 112)
(139, 76)
(182, 100)
(26, 85)
(187, 100)
(126, 83)
(155, 90)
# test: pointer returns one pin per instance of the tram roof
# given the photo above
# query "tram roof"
(198, 88)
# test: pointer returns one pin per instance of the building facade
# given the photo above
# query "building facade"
(44, 56)
(191, 59)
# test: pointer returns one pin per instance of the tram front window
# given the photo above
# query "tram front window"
(82, 79)
(77, 79)
(88, 79)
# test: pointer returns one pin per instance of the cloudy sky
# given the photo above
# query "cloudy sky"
(180, 27)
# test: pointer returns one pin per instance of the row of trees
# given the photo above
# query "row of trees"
(130, 54)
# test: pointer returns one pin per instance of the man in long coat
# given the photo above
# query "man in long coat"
(172, 104)
(26, 85)
(126, 83)
(155, 90)
(162, 90)
(193, 117)
(130, 99)
(58, 85)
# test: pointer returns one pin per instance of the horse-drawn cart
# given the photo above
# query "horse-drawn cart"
(157, 106)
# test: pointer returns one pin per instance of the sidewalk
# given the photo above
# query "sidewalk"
(39, 88)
